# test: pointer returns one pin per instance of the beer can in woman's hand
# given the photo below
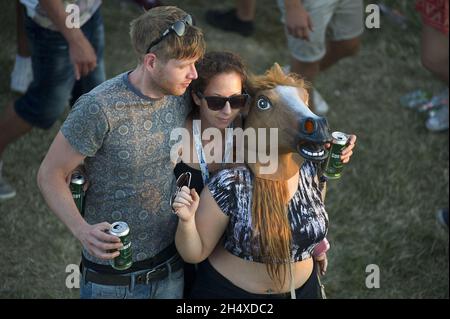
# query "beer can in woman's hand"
(334, 165)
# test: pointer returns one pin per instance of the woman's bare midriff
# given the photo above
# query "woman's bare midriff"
(252, 276)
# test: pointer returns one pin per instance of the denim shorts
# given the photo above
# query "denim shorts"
(170, 287)
(53, 73)
(335, 20)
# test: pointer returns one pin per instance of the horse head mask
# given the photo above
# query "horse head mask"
(280, 101)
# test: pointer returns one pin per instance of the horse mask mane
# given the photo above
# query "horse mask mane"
(280, 116)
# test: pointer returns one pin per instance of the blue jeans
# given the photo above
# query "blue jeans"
(53, 73)
(170, 287)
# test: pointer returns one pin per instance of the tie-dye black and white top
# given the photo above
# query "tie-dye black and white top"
(232, 190)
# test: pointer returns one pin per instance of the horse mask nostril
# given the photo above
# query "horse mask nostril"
(309, 126)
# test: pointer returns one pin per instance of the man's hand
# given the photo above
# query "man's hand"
(99, 243)
(82, 55)
(298, 22)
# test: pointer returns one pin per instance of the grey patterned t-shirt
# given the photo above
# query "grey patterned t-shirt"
(126, 138)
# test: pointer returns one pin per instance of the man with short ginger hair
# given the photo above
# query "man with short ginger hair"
(121, 130)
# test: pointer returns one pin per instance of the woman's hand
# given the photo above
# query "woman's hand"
(347, 152)
(185, 203)
(322, 262)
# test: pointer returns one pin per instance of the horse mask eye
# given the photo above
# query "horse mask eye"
(263, 103)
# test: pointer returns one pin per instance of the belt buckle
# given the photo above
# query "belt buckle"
(147, 280)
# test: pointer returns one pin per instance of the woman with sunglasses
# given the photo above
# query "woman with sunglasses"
(227, 238)
(218, 98)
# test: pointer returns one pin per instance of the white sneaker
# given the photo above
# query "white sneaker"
(438, 120)
(6, 190)
(22, 74)
(320, 106)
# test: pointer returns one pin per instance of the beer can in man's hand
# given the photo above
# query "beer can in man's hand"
(124, 260)
(334, 165)
(77, 182)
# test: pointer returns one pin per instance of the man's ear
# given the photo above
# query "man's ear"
(150, 60)
(196, 99)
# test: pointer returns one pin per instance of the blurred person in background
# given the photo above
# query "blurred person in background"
(238, 20)
(434, 54)
(67, 62)
(22, 73)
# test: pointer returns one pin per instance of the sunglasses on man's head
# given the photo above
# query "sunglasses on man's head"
(179, 27)
(216, 103)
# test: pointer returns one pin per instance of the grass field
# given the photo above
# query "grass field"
(381, 212)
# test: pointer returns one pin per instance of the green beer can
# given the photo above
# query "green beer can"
(77, 182)
(124, 260)
(334, 164)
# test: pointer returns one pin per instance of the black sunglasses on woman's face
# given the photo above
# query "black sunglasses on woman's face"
(179, 27)
(216, 103)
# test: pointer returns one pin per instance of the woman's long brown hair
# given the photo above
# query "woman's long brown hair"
(271, 226)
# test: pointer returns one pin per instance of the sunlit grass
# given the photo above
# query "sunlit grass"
(381, 211)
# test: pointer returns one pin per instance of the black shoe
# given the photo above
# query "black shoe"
(228, 21)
